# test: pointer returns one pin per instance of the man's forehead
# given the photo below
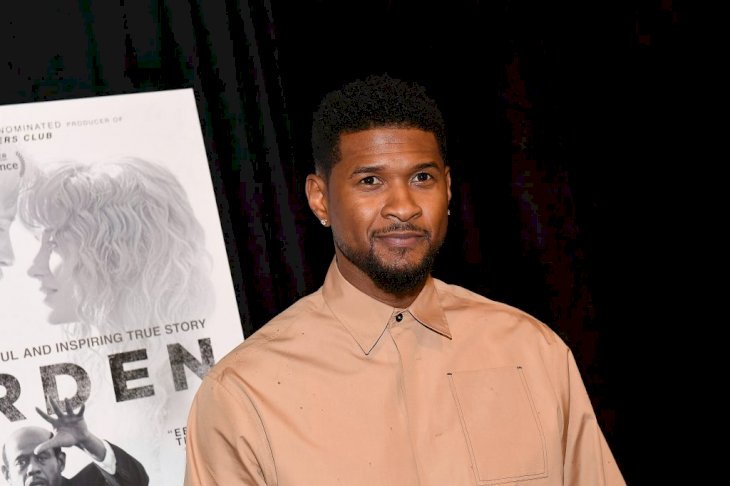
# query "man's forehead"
(385, 146)
(24, 441)
(389, 137)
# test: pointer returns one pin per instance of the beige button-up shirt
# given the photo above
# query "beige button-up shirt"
(341, 389)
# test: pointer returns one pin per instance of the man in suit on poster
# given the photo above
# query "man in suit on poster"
(32, 456)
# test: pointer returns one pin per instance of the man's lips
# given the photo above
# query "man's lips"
(401, 238)
(48, 293)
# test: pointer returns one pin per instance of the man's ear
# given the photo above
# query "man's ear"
(316, 189)
(61, 461)
(448, 182)
(6, 473)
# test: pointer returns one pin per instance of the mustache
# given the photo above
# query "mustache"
(401, 227)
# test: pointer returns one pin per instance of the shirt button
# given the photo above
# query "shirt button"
(399, 317)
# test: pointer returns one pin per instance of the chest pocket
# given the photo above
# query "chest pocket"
(500, 424)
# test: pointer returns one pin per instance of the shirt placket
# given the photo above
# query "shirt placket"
(402, 321)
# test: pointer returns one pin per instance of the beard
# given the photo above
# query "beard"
(391, 277)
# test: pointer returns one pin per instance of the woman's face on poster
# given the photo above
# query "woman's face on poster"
(53, 269)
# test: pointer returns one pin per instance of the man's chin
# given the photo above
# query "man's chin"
(397, 271)
(399, 260)
(400, 279)
(38, 482)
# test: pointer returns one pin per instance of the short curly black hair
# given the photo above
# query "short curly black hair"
(376, 101)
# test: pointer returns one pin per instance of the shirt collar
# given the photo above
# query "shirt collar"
(366, 318)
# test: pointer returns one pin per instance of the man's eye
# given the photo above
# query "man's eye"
(369, 180)
(423, 177)
(22, 461)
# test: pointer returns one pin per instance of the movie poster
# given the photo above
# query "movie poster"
(115, 289)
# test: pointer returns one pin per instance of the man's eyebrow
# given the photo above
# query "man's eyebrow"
(369, 169)
(366, 169)
(426, 165)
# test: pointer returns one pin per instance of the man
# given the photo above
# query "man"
(33, 456)
(385, 375)
(12, 167)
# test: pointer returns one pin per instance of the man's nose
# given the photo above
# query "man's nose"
(401, 203)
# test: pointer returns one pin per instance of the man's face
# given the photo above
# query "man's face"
(9, 181)
(27, 469)
(387, 200)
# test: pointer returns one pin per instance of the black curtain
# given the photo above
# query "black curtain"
(560, 115)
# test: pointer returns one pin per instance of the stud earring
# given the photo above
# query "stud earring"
(323, 221)
(448, 212)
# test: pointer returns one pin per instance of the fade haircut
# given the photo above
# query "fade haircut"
(374, 102)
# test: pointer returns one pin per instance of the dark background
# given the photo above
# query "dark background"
(562, 117)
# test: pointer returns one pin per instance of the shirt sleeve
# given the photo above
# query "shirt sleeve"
(588, 459)
(226, 441)
(109, 464)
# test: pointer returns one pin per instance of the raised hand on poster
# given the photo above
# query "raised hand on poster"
(34, 455)
(70, 429)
